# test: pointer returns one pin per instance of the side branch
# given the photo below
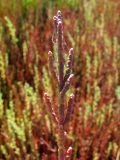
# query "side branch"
(70, 109)
(66, 86)
(69, 64)
(50, 108)
(52, 66)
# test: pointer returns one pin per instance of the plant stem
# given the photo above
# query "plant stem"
(61, 129)
(63, 83)
(61, 99)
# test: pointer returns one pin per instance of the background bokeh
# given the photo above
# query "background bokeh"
(92, 28)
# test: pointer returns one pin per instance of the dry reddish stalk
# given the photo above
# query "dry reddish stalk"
(62, 82)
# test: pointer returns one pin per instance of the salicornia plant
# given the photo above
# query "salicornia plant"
(62, 84)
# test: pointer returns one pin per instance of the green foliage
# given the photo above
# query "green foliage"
(89, 7)
(87, 110)
(1, 31)
(96, 98)
(3, 150)
(2, 66)
(12, 126)
(18, 128)
(88, 65)
(24, 51)
(36, 79)
(117, 92)
(46, 81)
(12, 30)
(1, 106)
(28, 3)
(30, 99)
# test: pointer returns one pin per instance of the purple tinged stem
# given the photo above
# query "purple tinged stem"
(70, 109)
(66, 86)
(51, 110)
(54, 38)
(52, 66)
(63, 82)
(69, 64)
(61, 155)
(60, 54)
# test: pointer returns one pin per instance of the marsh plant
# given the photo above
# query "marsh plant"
(62, 79)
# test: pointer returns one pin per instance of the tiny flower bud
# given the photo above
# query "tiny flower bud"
(55, 18)
(59, 25)
(58, 12)
(70, 151)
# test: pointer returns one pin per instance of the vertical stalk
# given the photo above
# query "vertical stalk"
(63, 82)
(61, 130)
(61, 99)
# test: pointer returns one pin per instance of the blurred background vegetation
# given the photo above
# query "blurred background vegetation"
(92, 28)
